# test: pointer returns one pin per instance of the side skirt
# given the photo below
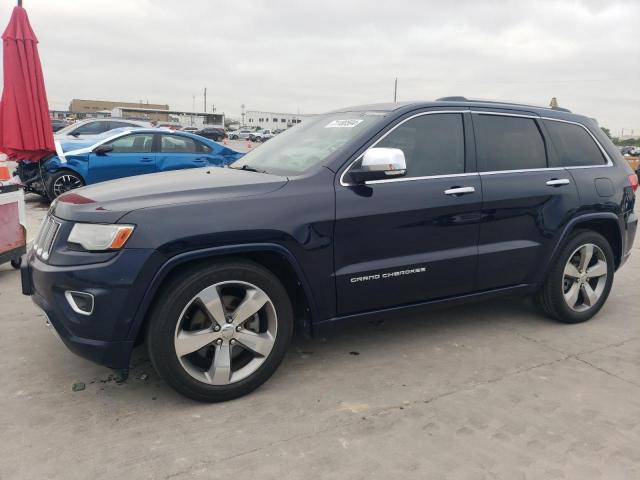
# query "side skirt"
(414, 308)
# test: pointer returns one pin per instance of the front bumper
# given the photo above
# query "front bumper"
(117, 285)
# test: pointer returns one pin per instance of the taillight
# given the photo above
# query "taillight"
(633, 181)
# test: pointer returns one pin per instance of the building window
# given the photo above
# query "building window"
(283, 120)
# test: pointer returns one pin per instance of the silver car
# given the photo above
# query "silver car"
(96, 126)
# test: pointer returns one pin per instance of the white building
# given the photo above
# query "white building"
(272, 120)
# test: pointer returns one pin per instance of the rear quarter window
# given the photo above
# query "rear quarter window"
(573, 145)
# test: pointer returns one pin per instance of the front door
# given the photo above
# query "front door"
(414, 238)
(131, 155)
(526, 201)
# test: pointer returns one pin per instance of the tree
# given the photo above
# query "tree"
(607, 132)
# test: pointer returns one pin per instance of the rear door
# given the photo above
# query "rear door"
(177, 152)
(526, 200)
(131, 155)
(411, 239)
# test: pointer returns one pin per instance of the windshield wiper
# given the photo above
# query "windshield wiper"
(247, 168)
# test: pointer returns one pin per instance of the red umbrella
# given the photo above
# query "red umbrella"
(25, 127)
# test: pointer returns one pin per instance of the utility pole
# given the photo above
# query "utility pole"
(395, 91)
(242, 115)
(213, 108)
(205, 99)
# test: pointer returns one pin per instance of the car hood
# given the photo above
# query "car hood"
(107, 202)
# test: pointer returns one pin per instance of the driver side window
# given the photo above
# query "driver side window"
(432, 144)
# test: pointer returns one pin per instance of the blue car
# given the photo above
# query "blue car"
(125, 152)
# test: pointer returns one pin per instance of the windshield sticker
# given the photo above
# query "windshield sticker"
(344, 123)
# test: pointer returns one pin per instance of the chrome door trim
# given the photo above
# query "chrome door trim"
(490, 172)
(432, 112)
(546, 169)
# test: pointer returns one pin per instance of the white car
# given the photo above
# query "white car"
(242, 134)
(96, 126)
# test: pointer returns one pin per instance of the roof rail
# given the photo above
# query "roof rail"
(452, 99)
(465, 99)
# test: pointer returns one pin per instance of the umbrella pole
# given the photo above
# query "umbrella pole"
(19, 3)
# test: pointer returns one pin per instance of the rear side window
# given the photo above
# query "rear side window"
(178, 144)
(508, 143)
(573, 145)
(432, 144)
(91, 128)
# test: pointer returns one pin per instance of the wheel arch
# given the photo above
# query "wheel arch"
(604, 223)
(275, 258)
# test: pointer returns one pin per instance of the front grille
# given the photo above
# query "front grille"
(46, 237)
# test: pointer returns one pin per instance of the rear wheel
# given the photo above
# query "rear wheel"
(220, 332)
(62, 181)
(580, 281)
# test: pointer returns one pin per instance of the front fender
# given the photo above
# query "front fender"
(76, 163)
(181, 259)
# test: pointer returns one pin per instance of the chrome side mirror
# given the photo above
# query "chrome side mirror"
(380, 164)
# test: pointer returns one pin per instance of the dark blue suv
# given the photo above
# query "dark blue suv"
(366, 211)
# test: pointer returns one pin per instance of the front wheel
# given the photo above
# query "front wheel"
(580, 281)
(219, 332)
(62, 181)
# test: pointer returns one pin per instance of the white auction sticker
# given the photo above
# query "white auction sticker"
(344, 123)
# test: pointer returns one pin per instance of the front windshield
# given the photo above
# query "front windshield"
(307, 144)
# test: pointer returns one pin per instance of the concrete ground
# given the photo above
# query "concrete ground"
(491, 390)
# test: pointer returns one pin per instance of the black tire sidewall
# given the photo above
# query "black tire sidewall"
(55, 176)
(166, 312)
(554, 293)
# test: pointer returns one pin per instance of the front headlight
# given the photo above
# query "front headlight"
(94, 236)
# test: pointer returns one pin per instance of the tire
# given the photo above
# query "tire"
(16, 263)
(234, 137)
(61, 182)
(558, 298)
(202, 374)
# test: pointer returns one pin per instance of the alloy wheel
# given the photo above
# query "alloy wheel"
(226, 332)
(585, 277)
(66, 182)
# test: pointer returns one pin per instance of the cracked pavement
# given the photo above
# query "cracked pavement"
(486, 391)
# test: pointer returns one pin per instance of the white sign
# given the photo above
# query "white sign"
(344, 123)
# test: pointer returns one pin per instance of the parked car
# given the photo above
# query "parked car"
(266, 135)
(256, 136)
(357, 214)
(57, 124)
(87, 129)
(242, 134)
(212, 133)
(122, 153)
(169, 125)
(190, 129)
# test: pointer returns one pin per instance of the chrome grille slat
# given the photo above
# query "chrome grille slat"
(46, 237)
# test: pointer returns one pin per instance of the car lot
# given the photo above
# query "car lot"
(489, 390)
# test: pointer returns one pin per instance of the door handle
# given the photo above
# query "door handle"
(146, 159)
(556, 182)
(459, 190)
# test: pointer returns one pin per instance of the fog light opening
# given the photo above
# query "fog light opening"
(80, 302)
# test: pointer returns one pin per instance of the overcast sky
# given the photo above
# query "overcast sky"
(313, 56)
